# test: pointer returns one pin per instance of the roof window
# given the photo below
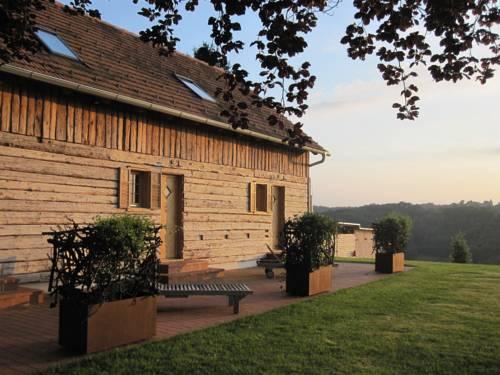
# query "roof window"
(55, 44)
(189, 83)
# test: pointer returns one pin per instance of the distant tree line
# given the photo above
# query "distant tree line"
(434, 226)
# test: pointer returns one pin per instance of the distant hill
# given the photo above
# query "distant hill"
(433, 226)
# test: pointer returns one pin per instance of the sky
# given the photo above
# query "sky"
(451, 153)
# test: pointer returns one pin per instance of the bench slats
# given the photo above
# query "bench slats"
(201, 289)
(235, 291)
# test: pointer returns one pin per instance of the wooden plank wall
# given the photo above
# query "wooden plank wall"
(364, 243)
(57, 114)
(345, 245)
(46, 183)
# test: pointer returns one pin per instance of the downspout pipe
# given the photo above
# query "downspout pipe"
(26, 73)
(309, 195)
(321, 161)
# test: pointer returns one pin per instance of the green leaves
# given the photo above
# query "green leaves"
(112, 259)
(309, 240)
(391, 233)
(459, 249)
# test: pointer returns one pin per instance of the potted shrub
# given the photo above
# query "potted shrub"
(309, 251)
(391, 235)
(104, 278)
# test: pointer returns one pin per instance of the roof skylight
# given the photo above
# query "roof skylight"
(55, 44)
(189, 83)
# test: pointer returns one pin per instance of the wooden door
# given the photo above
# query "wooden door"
(171, 216)
(278, 208)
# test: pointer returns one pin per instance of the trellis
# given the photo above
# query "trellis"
(91, 266)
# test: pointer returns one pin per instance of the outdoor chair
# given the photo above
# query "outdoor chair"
(271, 261)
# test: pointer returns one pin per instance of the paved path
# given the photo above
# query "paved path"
(28, 334)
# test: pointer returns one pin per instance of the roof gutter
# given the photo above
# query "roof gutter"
(321, 161)
(7, 68)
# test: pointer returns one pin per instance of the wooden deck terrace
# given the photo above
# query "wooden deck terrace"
(28, 334)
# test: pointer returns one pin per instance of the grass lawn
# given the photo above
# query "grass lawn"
(436, 319)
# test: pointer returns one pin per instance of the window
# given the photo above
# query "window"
(55, 44)
(139, 189)
(190, 84)
(261, 198)
(258, 197)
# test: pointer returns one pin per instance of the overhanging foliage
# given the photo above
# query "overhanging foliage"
(453, 40)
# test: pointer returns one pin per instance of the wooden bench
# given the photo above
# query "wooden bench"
(234, 291)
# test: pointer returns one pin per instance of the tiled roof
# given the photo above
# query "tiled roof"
(117, 61)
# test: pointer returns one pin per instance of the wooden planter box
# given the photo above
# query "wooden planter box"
(302, 283)
(92, 328)
(389, 263)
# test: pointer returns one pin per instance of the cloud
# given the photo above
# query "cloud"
(363, 94)
(450, 153)
(352, 96)
(477, 151)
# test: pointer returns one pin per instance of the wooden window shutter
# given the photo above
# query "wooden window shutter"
(269, 198)
(132, 178)
(155, 190)
(251, 196)
(145, 189)
(123, 188)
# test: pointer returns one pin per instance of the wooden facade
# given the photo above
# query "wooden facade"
(354, 241)
(67, 157)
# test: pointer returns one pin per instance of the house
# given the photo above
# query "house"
(353, 240)
(98, 123)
